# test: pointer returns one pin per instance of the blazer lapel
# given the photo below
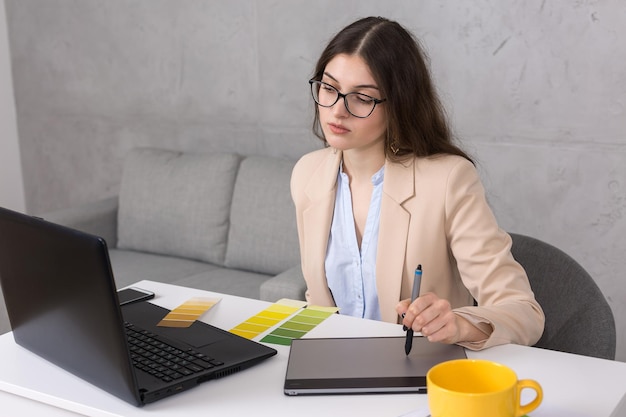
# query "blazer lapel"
(399, 186)
(317, 218)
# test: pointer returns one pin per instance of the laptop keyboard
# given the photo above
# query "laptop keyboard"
(149, 354)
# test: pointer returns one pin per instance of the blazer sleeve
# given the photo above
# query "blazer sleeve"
(482, 252)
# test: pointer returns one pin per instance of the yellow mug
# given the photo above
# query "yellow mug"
(478, 388)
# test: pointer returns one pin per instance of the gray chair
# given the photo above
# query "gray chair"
(578, 317)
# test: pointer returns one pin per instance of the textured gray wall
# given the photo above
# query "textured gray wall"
(11, 183)
(536, 91)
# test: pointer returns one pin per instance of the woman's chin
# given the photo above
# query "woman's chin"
(337, 143)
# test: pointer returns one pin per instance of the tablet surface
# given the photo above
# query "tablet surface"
(363, 365)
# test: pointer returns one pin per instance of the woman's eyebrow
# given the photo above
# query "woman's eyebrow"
(356, 86)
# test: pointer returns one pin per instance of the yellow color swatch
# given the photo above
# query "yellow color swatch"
(185, 314)
(267, 318)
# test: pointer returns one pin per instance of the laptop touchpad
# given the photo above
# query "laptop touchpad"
(196, 335)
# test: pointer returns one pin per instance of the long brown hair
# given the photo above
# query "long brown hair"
(416, 121)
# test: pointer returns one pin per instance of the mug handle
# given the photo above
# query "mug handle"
(527, 408)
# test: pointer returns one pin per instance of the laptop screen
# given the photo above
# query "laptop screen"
(60, 296)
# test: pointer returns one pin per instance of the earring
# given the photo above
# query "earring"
(393, 143)
(394, 147)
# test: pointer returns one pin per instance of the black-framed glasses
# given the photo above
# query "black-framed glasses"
(358, 104)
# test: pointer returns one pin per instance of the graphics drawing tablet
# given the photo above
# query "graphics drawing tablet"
(363, 365)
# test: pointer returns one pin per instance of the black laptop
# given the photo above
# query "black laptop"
(63, 305)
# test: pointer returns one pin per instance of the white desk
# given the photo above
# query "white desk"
(574, 386)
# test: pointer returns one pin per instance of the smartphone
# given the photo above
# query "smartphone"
(133, 295)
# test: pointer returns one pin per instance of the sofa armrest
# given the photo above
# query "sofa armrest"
(289, 284)
(98, 218)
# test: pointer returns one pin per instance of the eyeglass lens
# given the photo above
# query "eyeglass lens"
(358, 105)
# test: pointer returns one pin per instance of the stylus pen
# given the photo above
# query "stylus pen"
(417, 282)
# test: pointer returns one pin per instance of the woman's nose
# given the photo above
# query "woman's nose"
(340, 109)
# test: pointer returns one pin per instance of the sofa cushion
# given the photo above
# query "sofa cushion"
(263, 236)
(226, 281)
(176, 204)
(287, 284)
(131, 266)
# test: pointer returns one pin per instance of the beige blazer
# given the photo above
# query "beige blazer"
(434, 213)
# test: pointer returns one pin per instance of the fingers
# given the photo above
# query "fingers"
(430, 315)
(415, 314)
(402, 306)
(442, 329)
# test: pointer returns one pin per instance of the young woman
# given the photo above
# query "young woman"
(391, 191)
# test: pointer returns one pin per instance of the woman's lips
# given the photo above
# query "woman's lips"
(337, 129)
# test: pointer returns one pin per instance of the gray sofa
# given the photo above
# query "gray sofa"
(213, 221)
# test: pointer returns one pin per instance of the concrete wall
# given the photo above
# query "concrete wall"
(536, 91)
(11, 183)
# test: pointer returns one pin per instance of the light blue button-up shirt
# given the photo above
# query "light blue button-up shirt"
(351, 274)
